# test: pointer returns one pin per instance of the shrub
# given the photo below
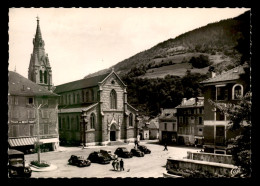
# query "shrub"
(42, 164)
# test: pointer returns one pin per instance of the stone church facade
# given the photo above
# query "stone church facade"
(94, 111)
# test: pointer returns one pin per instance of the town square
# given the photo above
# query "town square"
(84, 101)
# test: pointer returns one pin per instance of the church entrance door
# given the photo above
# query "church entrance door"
(113, 133)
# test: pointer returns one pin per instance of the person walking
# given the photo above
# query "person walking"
(114, 164)
(136, 144)
(117, 164)
(165, 147)
(122, 165)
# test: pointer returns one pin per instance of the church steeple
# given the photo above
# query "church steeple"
(39, 69)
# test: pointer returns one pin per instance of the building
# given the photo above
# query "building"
(39, 69)
(148, 128)
(190, 114)
(24, 96)
(154, 129)
(95, 111)
(227, 87)
(168, 126)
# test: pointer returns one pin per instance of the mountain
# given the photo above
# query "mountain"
(223, 43)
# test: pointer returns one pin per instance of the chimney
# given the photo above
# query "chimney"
(184, 101)
(213, 74)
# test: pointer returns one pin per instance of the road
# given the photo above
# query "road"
(151, 165)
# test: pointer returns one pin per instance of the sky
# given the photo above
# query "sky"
(80, 41)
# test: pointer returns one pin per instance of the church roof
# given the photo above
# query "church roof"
(19, 85)
(82, 83)
(77, 109)
(232, 74)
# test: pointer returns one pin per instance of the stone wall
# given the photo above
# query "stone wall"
(210, 157)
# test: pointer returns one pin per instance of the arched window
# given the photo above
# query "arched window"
(45, 77)
(87, 96)
(74, 98)
(92, 120)
(237, 91)
(131, 119)
(72, 122)
(113, 104)
(68, 123)
(92, 95)
(40, 76)
(77, 123)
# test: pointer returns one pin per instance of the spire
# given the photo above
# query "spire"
(15, 68)
(38, 34)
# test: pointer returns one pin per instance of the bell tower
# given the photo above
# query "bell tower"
(39, 69)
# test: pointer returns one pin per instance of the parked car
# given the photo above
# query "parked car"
(97, 157)
(144, 149)
(80, 161)
(123, 152)
(137, 152)
(16, 164)
(108, 153)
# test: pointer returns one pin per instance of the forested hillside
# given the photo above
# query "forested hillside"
(161, 76)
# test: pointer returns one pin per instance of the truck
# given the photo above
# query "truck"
(16, 164)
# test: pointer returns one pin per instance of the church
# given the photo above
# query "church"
(91, 111)
(94, 111)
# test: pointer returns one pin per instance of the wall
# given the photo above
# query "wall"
(210, 157)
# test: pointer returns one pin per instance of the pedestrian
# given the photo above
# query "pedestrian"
(113, 164)
(165, 147)
(136, 143)
(117, 164)
(122, 165)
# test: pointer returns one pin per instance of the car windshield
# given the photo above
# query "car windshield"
(17, 162)
(124, 150)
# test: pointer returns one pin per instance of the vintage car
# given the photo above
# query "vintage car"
(137, 152)
(97, 157)
(16, 164)
(80, 161)
(108, 153)
(144, 149)
(123, 152)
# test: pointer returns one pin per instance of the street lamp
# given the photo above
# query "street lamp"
(83, 127)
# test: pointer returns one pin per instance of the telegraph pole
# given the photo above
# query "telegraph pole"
(38, 131)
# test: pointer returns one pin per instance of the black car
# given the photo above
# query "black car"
(97, 157)
(108, 153)
(123, 152)
(137, 152)
(16, 164)
(144, 149)
(79, 161)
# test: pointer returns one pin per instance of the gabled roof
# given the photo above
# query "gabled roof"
(168, 113)
(80, 84)
(154, 124)
(229, 75)
(19, 85)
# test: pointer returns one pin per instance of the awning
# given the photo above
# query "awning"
(49, 140)
(21, 141)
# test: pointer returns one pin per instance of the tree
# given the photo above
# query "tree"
(240, 120)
